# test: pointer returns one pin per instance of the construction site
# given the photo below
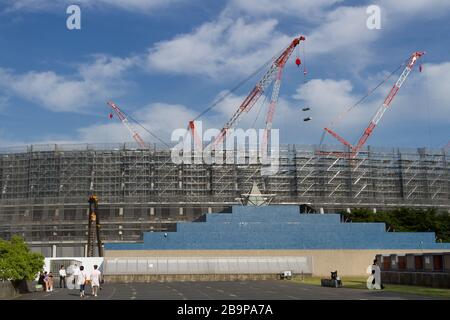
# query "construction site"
(45, 188)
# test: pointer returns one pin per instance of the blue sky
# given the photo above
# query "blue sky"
(165, 61)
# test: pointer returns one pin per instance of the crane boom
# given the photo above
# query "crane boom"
(354, 150)
(387, 102)
(274, 70)
(127, 124)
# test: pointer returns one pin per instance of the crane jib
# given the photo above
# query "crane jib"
(382, 109)
(268, 78)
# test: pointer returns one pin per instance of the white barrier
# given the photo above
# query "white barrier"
(207, 265)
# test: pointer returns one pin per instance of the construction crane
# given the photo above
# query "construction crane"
(94, 228)
(273, 74)
(124, 120)
(354, 150)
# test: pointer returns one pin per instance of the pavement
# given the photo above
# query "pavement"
(220, 290)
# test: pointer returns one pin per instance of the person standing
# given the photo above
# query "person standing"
(76, 272)
(62, 277)
(50, 281)
(95, 280)
(81, 280)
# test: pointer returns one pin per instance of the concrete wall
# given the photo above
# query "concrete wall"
(7, 290)
(347, 262)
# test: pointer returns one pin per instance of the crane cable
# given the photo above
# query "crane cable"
(427, 103)
(214, 104)
(148, 131)
(305, 70)
(259, 110)
(240, 84)
(217, 101)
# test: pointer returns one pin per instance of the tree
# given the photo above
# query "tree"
(407, 220)
(17, 262)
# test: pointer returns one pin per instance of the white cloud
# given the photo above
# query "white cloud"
(409, 8)
(309, 9)
(425, 96)
(137, 5)
(437, 80)
(163, 118)
(329, 101)
(144, 6)
(94, 82)
(111, 132)
(315, 9)
(344, 38)
(234, 44)
(106, 67)
(422, 101)
(219, 49)
(159, 118)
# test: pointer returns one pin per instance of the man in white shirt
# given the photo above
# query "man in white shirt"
(76, 273)
(62, 277)
(82, 280)
(95, 280)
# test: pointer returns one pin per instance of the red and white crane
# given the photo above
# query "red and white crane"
(354, 150)
(274, 73)
(124, 120)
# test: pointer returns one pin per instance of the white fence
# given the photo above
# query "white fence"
(207, 265)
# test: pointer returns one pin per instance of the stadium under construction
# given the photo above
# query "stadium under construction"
(45, 188)
(136, 188)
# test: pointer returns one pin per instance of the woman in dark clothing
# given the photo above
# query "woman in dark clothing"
(41, 281)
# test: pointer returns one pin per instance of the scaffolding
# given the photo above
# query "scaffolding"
(44, 187)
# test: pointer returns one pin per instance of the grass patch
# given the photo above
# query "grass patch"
(360, 283)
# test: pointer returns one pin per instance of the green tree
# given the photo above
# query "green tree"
(406, 220)
(17, 262)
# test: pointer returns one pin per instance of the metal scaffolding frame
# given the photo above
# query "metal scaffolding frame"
(44, 188)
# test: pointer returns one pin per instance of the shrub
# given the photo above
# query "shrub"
(17, 262)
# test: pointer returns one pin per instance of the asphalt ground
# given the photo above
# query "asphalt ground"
(220, 290)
